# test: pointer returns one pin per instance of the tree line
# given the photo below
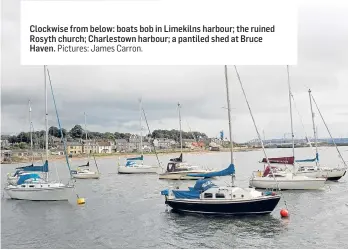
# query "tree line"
(77, 132)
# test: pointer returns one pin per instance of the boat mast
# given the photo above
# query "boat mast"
(46, 118)
(31, 134)
(179, 107)
(314, 129)
(292, 128)
(85, 115)
(229, 119)
(141, 127)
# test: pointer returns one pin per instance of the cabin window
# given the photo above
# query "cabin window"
(208, 195)
(31, 186)
(242, 196)
(234, 196)
(219, 195)
(48, 185)
(23, 186)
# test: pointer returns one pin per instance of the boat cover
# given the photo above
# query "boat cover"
(194, 192)
(280, 160)
(141, 158)
(310, 160)
(227, 171)
(32, 168)
(25, 177)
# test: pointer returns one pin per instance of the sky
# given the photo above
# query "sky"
(109, 94)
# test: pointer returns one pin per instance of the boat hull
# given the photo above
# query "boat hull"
(178, 176)
(40, 194)
(331, 175)
(141, 169)
(86, 176)
(287, 184)
(264, 205)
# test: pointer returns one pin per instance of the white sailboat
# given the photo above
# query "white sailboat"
(132, 166)
(31, 186)
(332, 174)
(177, 169)
(83, 172)
(12, 178)
(285, 180)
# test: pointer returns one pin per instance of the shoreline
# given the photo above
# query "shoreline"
(55, 158)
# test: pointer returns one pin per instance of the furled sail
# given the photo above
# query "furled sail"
(32, 168)
(141, 158)
(310, 160)
(227, 171)
(280, 160)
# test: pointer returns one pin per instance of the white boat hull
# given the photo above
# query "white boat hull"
(86, 176)
(137, 169)
(284, 183)
(178, 176)
(55, 193)
(330, 174)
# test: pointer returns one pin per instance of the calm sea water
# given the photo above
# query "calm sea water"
(127, 211)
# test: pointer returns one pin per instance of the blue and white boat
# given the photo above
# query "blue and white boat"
(31, 186)
(205, 197)
(136, 165)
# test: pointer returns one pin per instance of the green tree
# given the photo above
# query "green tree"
(76, 131)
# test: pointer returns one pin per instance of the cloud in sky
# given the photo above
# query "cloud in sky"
(109, 94)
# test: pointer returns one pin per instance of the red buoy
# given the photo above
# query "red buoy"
(284, 213)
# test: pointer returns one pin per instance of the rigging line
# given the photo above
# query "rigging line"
(154, 147)
(345, 164)
(304, 130)
(60, 129)
(258, 134)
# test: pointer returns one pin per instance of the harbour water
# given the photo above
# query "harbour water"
(127, 211)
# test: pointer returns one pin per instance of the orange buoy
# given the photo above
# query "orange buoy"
(284, 213)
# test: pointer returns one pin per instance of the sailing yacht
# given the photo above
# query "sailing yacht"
(83, 171)
(33, 187)
(332, 174)
(205, 197)
(282, 180)
(132, 165)
(12, 178)
(177, 169)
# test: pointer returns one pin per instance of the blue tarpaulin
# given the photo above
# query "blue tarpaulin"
(194, 192)
(25, 177)
(32, 168)
(186, 194)
(227, 171)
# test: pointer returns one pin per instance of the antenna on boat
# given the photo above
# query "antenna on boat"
(229, 120)
(291, 122)
(179, 107)
(344, 162)
(314, 129)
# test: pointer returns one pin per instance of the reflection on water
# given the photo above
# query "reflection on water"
(127, 211)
